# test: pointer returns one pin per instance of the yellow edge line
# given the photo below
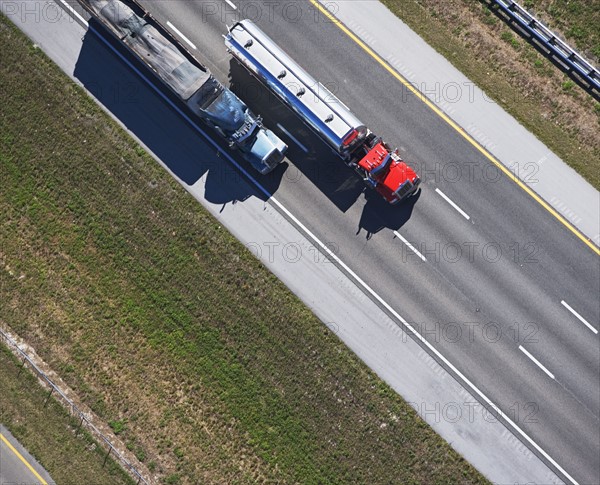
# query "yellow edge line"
(12, 448)
(465, 135)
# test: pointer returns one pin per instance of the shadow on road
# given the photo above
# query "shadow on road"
(190, 157)
(309, 154)
(378, 214)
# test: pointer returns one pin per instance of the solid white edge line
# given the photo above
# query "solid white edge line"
(410, 246)
(539, 364)
(231, 4)
(73, 11)
(451, 202)
(178, 32)
(304, 149)
(583, 320)
(343, 265)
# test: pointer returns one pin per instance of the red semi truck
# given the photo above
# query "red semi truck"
(380, 167)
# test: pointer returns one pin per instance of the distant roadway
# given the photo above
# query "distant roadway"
(17, 466)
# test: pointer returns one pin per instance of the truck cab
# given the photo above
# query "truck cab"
(383, 170)
(230, 117)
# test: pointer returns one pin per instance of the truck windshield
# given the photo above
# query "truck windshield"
(208, 92)
(221, 106)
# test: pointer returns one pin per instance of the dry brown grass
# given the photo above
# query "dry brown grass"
(53, 437)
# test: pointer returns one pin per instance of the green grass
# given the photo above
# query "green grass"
(578, 21)
(207, 376)
(513, 74)
(51, 435)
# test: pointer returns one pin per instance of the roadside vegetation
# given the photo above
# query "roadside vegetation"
(48, 432)
(576, 21)
(199, 359)
(514, 74)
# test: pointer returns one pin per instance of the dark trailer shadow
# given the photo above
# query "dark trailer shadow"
(338, 182)
(309, 154)
(378, 214)
(153, 120)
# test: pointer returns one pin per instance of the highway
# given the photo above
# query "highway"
(499, 276)
(490, 278)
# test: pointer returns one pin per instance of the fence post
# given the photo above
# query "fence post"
(22, 366)
(80, 424)
(545, 41)
(106, 457)
(95, 433)
(48, 396)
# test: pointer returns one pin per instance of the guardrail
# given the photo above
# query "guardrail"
(74, 410)
(569, 60)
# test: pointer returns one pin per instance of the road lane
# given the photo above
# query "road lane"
(17, 465)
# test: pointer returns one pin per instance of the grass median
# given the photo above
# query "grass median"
(201, 361)
(514, 74)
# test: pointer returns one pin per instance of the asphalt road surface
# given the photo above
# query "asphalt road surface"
(489, 295)
(492, 280)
